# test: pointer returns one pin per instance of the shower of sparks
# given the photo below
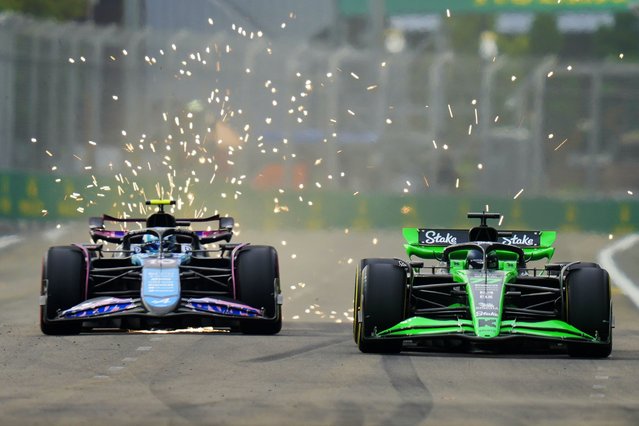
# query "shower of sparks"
(560, 145)
(208, 150)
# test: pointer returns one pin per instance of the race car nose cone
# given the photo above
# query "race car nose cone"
(160, 285)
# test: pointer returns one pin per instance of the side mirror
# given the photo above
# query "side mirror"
(227, 223)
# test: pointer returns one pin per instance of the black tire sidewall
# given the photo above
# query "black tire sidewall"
(65, 275)
(257, 276)
(588, 306)
(258, 286)
(357, 296)
(383, 296)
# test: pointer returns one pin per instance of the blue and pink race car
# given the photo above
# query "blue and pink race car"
(163, 275)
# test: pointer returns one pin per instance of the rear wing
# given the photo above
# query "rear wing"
(99, 232)
(429, 243)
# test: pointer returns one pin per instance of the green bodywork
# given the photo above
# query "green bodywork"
(482, 286)
(419, 326)
(545, 250)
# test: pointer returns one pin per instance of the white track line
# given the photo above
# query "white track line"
(619, 278)
(8, 240)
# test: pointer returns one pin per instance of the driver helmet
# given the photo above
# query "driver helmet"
(151, 243)
(475, 259)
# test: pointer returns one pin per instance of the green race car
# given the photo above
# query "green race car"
(481, 293)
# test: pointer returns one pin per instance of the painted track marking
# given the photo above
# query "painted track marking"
(9, 240)
(621, 280)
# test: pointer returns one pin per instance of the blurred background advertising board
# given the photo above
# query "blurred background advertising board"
(300, 110)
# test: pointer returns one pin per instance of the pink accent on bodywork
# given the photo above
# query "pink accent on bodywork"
(87, 258)
(235, 250)
(206, 234)
(109, 234)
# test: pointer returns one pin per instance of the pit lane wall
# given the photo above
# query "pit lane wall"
(43, 197)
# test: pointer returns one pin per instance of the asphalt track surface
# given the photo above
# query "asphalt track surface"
(309, 374)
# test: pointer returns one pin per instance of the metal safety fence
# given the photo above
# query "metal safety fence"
(223, 107)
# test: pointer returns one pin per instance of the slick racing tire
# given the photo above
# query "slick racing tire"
(381, 306)
(258, 281)
(63, 274)
(589, 309)
(358, 289)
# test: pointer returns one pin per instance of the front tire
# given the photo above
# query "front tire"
(589, 309)
(357, 298)
(63, 271)
(383, 289)
(258, 284)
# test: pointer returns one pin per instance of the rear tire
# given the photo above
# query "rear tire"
(258, 281)
(62, 284)
(589, 308)
(382, 301)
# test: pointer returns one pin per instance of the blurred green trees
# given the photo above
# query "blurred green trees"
(545, 38)
(62, 10)
(622, 38)
(462, 33)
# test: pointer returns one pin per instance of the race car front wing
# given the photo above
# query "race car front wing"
(113, 306)
(420, 327)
